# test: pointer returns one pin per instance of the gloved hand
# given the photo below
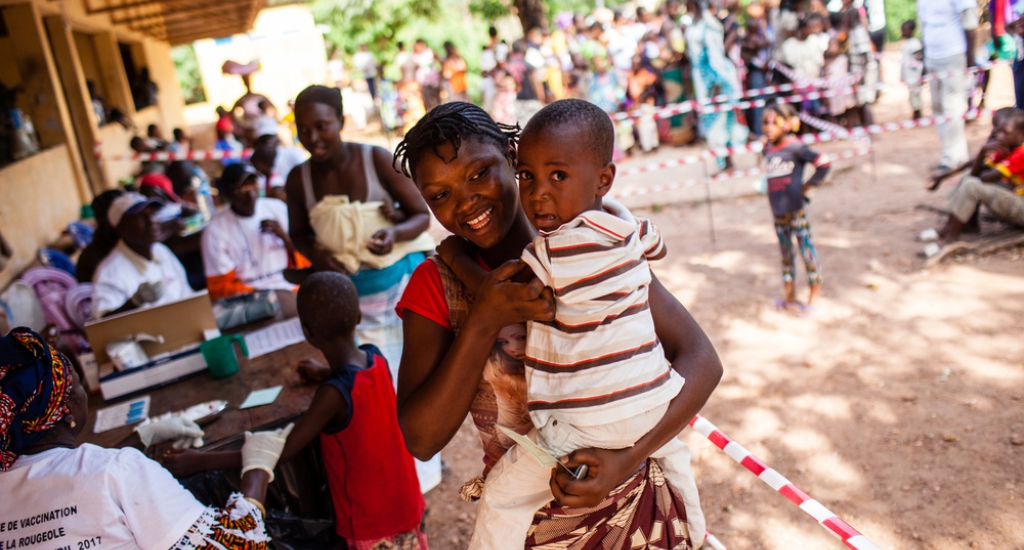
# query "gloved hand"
(183, 431)
(148, 293)
(262, 449)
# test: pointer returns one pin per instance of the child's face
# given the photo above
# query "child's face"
(555, 186)
(513, 341)
(774, 126)
(1010, 134)
(907, 31)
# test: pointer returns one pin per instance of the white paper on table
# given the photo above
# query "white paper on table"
(277, 336)
(121, 414)
(259, 398)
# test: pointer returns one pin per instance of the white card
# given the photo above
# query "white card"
(259, 398)
(121, 414)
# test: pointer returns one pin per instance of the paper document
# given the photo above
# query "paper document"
(258, 398)
(277, 336)
(121, 415)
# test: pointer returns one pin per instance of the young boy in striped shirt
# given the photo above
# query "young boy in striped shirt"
(596, 376)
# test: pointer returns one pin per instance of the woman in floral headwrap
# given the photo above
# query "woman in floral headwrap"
(67, 495)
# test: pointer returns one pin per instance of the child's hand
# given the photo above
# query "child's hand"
(391, 213)
(313, 371)
(454, 247)
(183, 463)
(382, 241)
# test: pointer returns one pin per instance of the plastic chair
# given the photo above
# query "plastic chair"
(78, 304)
(53, 258)
(51, 286)
(82, 233)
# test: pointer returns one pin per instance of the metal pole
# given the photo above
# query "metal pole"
(711, 217)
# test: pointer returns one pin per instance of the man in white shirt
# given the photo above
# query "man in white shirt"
(246, 247)
(948, 31)
(140, 270)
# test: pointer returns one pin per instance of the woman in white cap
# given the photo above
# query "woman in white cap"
(140, 270)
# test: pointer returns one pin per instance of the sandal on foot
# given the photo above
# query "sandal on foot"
(783, 305)
(931, 249)
(927, 236)
(806, 311)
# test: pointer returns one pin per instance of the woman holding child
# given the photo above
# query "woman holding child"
(462, 163)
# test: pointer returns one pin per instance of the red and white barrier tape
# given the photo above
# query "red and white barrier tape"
(713, 541)
(715, 104)
(664, 187)
(214, 154)
(825, 517)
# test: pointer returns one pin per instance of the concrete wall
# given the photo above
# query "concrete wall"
(287, 45)
(36, 204)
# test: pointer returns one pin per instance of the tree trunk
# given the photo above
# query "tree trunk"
(531, 14)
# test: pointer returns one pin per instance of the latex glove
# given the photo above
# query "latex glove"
(184, 433)
(262, 449)
(148, 293)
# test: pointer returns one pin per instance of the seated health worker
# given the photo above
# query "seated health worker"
(246, 247)
(140, 270)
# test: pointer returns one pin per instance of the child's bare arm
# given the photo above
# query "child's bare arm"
(188, 462)
(940, 177)
(459, 254)
(328, 406)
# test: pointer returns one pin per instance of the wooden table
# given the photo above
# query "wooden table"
(272, 369)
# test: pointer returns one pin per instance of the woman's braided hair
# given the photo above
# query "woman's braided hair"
(451, 123)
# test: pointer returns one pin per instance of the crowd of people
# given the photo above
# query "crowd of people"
(561, 352)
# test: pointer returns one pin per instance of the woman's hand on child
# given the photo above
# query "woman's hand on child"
(501, 302)
(382, 241)
(606, 470)
(311, 370)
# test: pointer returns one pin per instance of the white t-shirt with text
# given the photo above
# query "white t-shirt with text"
(93, 498)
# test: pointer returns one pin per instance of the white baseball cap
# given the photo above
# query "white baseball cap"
(126, 205)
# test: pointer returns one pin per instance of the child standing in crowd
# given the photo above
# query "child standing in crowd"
(595, 376)
(784, 159)
(912, 63)
(354, 415)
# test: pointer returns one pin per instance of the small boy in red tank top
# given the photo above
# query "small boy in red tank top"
(354, 414)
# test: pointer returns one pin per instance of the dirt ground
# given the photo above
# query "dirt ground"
(899, 405)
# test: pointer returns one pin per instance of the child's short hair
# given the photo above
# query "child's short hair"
(1013, 116)
(328, 304)
(909, 23)
(451, 123)
(595, 124)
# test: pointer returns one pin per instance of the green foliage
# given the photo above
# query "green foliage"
(186, 66)
(376, 23)
(896, 12)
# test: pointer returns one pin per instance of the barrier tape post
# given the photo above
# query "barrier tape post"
(711, 216)
(825, 517)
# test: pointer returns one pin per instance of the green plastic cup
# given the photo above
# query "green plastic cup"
(219, 354)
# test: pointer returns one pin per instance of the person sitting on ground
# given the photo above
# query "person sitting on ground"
(273, 162)
(104, 239)
(581, 384)
(354, 415)
(998, 120)
(246, 247)
(140, 270)
(155, 138)
(996, 181)
(114, 497)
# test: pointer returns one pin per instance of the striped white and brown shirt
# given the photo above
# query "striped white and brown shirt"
(599, 361)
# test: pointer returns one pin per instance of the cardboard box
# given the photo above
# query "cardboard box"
(183, 326)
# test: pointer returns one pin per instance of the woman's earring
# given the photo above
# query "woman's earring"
(71, 421)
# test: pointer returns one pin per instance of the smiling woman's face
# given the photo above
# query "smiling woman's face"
(319, 129)
(473, 195)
